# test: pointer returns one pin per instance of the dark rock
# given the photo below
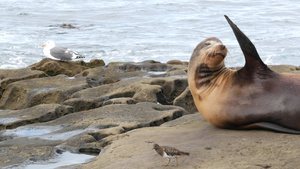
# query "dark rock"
(92, 64)
(69, 68)
(67, 26)
(90, 150)
(185, 100)
(53, 67)
(123, 100)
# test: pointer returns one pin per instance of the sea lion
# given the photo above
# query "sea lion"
(253, 97)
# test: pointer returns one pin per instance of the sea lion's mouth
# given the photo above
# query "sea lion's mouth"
(220, 54)
(215, 54)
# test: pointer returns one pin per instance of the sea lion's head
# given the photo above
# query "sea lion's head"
(210, 52)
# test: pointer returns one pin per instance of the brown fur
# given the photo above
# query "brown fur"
(253, 97)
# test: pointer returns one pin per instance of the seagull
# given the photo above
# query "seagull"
(59, 53)
(169, 152)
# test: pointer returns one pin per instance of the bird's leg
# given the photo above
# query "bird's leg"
(168, 163)
(176, 161)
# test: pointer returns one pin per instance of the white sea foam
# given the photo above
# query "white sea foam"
(143, 30)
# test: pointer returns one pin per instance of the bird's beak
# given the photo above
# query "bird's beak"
(43, 45)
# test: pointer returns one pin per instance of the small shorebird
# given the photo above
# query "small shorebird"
(169, 152)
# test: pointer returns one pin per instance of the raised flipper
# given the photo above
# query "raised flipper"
(254, 64)
(269, 126)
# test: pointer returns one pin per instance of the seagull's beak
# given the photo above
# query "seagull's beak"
(43, 45)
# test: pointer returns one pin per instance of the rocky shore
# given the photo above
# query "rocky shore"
(115, 112)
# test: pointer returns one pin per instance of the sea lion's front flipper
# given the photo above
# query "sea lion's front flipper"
(253, 61)
(268, 126)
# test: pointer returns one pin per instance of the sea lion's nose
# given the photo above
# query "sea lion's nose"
(222, 47)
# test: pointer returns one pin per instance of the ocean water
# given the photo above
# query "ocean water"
(134, 31)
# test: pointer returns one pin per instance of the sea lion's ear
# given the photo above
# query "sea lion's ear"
(253, 61)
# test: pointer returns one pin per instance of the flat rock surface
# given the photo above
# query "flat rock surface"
(46, 90)
(10, 119)
(209, 148)
(114, 113)
(94, 128)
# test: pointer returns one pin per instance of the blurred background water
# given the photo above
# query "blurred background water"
(134, 31)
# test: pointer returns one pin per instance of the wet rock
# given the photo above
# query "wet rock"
(48, 90)
(11, 119)
(87, 129)
(13, 156)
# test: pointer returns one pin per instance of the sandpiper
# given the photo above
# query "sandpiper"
(169, 152)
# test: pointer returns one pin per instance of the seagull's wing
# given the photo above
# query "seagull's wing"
(61, 53)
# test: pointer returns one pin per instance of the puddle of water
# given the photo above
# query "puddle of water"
(157, 72)
(178, 76)
(67, 77)
(44, 132)
(45, 89)
(8, 120)
(63, 135)
(31, 131)
(63, 159)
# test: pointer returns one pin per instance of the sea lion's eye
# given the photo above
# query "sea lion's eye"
(206, 44)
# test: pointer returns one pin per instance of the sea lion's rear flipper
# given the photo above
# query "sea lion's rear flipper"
(253, 61)
(269, 126)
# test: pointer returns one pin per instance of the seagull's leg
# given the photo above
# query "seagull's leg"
(168, 163)
(176, 161)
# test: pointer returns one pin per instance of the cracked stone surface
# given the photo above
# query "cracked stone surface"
(119, 110)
